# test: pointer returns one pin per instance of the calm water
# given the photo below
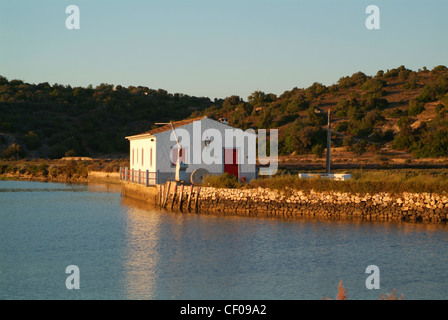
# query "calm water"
(126, 251)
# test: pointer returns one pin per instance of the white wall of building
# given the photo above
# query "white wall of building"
(143, 154)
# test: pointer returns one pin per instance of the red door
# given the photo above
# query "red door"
(231, 162)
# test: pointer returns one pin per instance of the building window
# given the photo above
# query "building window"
(150, 157)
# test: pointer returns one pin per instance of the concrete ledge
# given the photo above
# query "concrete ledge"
(140, 192)
(113, 177)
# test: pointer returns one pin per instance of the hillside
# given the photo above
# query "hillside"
(395, 114)
(398, 115)
(53, 121)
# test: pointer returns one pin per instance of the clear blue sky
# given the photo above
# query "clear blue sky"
(217, 48)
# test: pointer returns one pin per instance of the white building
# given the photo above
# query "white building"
(205, 144)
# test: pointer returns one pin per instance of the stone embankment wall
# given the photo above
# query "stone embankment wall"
(421, 207)
(330, 205)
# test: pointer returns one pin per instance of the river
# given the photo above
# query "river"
(126, 250)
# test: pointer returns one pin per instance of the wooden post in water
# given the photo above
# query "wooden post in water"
(159, 189)
(168, 191)
(181, 197)
(168, 187)
(165, 188)
(189, 198)
(174, 195)
(196, 202)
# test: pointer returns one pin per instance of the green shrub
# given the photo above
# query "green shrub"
(32, 140)
(412, 82)
(388, 135)
(359, 148)
(415, 108)
(43, 169)
(445, 100)
(224, 180)
(53, 171)
(70, 153)
(403, 141)
(439, 108)
(318, 150)
(3, 168)
(355, 79)
(376, 103)
(440, 68)
(433, 91)
(14, 151)
(395, 113)
(391, 73)
(341, 126)
(374, 88)
(433, 144)
(348, 142)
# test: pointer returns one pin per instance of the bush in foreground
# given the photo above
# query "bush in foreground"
(224, 180)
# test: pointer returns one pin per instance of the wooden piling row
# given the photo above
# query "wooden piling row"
(169, 196)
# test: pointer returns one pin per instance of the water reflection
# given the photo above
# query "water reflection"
(131, 250)
(104, 187)
(141, 253)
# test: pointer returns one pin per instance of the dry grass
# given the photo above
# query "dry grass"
(56, 169)
(342, 294)
(392, 296)
(391, 181)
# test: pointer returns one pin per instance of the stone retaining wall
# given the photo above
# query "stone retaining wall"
(330, 205)
(421, 207)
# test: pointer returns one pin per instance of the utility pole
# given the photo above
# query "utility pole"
(328, 162)
(180, 166)
(329, 143)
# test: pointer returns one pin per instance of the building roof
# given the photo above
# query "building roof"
(168, 127)
(176, 124)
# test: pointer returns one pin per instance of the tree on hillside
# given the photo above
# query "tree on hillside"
(14, 151)
(259, 98)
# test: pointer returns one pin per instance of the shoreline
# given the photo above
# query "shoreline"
(21, 177)
(62, 170)
(94, 176)
(426, 208)
(264, 202)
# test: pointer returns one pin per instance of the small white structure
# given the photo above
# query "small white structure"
(206, 146)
